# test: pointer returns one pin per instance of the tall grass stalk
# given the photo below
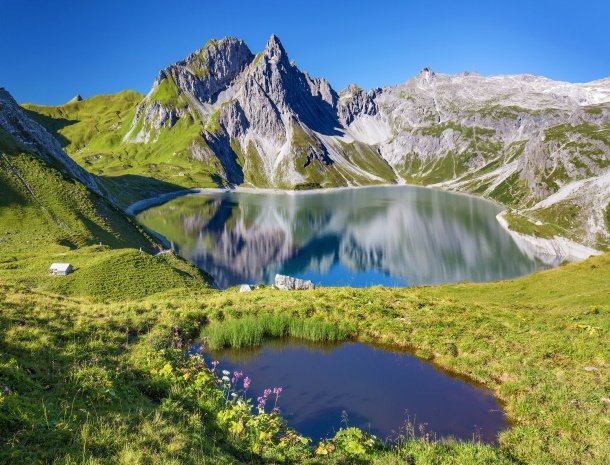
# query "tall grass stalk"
(252, 331)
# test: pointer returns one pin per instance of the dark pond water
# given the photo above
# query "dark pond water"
(376, 389)
(392, 236)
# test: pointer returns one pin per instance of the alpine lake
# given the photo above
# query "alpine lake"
(389, 236)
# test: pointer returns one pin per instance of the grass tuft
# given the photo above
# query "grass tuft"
(252, 331)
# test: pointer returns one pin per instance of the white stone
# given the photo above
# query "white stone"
(287, 283)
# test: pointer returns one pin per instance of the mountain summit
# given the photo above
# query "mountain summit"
(265, 121)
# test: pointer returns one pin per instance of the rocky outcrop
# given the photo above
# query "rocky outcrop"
(356, 102)
(288, 283)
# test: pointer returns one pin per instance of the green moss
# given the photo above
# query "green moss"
(467, 131)
(93, 133)
(562, 133)
(95, 122)
(511, 112)
(594, 110)
(301, 139)
(56, 219)
(213, 124)
(55, 212)
(168, 94)
(369, 160)
(252, 164)
(126, 274)
(305, 186)
(524, 225)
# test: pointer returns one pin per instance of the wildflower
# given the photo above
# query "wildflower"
(277, 391)
(266, 393)
(226, 372)
(7, 389)
(225, 379)
(238, 374)
(215, 364)
(247, 382)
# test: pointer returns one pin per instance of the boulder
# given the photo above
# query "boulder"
(287, 283)
(246, 288)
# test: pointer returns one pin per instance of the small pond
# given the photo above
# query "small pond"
(326, 386)
(391, 236)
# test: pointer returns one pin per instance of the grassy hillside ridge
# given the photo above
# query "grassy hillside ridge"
(93, 132)
(55, 211)
(46, 217)
(540, 342)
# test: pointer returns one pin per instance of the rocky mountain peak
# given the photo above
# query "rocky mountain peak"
(274, 50)
(76, 98)
(351, 90)
(426, 75)
(219, 49)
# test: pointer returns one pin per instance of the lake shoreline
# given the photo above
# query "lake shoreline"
(144, 204)
(551, 251)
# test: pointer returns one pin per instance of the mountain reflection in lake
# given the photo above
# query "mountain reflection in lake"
(393, 236)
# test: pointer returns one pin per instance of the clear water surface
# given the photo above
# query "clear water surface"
(326, 386)
(391, 236)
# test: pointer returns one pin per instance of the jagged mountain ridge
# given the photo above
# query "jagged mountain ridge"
(265, 120)
(232, 117)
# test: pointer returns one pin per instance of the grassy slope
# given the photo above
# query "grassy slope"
(58, 219)
(92, 133)
(541, 342)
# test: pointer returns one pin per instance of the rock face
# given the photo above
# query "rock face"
(34, 138)
(288, 283)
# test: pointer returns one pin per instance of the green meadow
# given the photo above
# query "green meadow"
(93, 367)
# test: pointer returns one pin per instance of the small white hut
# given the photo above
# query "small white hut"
(60, 269)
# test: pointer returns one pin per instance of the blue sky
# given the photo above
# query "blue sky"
(51, 50)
